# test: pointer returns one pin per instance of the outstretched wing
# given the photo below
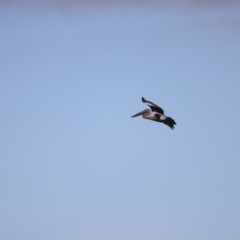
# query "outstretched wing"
(153, 106)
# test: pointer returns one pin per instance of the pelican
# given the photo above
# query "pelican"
(157, 114)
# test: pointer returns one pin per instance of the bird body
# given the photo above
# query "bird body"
(157, 114)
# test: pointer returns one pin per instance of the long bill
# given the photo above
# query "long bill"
(138, 114)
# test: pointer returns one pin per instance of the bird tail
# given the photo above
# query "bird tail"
(170, 122)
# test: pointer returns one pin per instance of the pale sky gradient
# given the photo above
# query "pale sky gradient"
(74, 165)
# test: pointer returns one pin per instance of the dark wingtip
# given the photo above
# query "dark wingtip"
(143, 99)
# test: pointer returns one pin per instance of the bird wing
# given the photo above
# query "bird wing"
(160, 116)
(153, 106)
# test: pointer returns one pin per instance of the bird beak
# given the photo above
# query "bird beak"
(138, 114)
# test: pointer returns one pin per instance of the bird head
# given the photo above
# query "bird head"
(141, 113)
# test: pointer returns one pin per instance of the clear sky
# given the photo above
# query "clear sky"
(74, 165)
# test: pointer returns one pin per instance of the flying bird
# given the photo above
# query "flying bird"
(157, 114)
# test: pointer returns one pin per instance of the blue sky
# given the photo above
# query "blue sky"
(74, 165)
